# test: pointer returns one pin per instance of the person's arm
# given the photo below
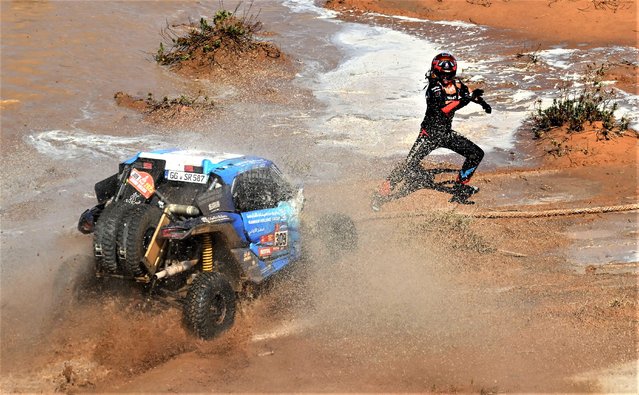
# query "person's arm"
(436, 98)
(464, 98)
(476, 97)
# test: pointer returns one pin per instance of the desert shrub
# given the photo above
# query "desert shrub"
(594, 103)
(226, 30)
(166, 103)
(528, 56)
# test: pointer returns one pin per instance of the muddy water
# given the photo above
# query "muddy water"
(62, 62)
(61, 131)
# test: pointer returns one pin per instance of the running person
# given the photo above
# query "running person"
(445, 95)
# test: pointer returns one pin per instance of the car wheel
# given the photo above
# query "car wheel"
(134, 237)
(105, 237)
(210, 305)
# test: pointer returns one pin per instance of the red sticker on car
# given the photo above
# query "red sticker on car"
(142, 182)
(267, 239)
(265, 251)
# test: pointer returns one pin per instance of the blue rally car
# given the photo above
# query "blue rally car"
(199, 227)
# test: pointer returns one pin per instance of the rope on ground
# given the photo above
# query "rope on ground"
(555, 213)
(512, 214)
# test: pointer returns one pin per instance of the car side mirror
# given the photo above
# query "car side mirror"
(215, 200)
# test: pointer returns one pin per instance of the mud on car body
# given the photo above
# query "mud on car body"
(200, 228)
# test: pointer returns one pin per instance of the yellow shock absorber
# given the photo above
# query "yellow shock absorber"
(207, 253)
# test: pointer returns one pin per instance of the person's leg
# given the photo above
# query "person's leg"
(469, 150)
(473, 154)
(423, 146)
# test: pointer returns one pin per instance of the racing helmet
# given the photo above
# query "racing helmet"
(443, 66)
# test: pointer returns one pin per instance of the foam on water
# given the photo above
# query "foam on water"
(458, 24)
(522, 96)
(308, 6)
(558, 57)
(77, 144)
(375, 96)
(375, 99)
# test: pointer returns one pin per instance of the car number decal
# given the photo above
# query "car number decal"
(184, 176)
(281, 238)
(142, 182)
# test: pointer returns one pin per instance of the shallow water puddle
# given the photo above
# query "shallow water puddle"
(606, 245)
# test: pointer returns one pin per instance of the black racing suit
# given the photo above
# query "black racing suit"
(436, 132)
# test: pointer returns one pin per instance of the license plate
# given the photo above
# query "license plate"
(186, 177)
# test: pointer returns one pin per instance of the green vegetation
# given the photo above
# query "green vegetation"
(226, 31)
(166, 106)
(593, 104)
(183, 100)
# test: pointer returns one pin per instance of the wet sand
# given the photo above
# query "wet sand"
(548, 22)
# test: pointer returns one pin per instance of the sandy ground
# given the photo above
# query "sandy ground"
(437, 302)
(593, 22)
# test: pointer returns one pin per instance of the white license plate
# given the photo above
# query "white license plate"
(186, 177)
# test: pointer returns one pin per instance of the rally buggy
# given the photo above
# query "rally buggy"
(199, 226)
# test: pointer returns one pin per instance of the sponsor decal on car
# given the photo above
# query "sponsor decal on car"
(214, 205)
(264, 217)
(278, 238)
(281, 238)
(142, 182)
(256, 230)
(264, 252)
(213, 219)
(267, 239)
(135, 198)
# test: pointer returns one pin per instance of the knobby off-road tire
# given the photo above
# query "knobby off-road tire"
(210, 305)
(105, 236)
(134, 237)
(338, 234)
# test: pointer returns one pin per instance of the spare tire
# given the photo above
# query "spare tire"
(134, 237)
(105, 236)
(210, 305)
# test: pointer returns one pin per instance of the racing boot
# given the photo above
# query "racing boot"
(382, 195)
(461, 193)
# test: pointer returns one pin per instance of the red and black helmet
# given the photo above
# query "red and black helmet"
(444, 66)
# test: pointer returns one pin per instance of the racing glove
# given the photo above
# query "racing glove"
(477, 93)
(480, 100)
